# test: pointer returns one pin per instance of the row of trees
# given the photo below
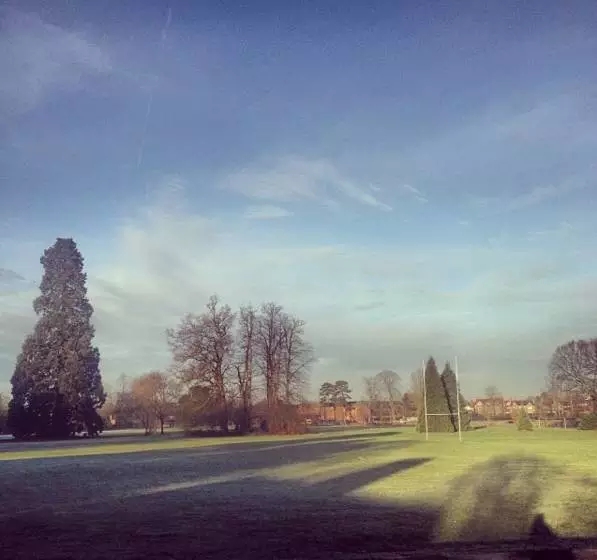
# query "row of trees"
(334, 394)
(224, 364)
(226, 360)
(221, 363)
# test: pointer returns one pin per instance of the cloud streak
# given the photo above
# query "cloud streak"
(535, 196)
(409, 189)
(297, 179)
(266, 212)
(38, 59)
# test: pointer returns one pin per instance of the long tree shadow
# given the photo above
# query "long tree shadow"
(12, 445)
(499, 502)
(491, 507)
(496, 500)
(56, 483)
(255, 517)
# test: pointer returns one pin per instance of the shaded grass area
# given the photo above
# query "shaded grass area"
(169, 442)
(349, 492)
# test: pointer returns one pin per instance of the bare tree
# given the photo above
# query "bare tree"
(297, 359)
(417, 388)
(283, 358)
(270, 342)
(574, 366)
(389, 382)
(140, 404)
(493, 394)
(246, 342)
(157, 393)
(203, 352)
(372, 394)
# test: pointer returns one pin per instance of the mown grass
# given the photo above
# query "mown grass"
(149, 444)
(490, 485)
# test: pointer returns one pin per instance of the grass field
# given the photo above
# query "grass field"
(386, 485)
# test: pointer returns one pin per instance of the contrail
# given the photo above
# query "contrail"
(151, 88)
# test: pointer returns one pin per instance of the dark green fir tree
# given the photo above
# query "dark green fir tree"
(437, 405)
(56, 385)
(450, 386)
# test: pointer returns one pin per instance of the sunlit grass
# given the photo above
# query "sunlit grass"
(507, 469)
(497, 473)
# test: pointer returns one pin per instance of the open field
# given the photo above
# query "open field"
(350, 491)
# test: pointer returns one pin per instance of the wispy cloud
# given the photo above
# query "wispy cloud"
(409, 189)
(7, 275)
(369, 306)
(155, 271)
(38, 58)
(295, 178)
(266, 212)
(562, 230)
(534, 196)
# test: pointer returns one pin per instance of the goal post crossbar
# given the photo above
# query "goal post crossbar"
(457, 413)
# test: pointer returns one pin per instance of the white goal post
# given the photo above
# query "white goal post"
(457, 413)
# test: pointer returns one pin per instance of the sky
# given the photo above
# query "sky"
(410, 178)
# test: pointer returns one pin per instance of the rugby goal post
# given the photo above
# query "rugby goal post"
(457, 413)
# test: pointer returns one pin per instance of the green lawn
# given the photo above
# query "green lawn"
(148, 444)
(489, 486)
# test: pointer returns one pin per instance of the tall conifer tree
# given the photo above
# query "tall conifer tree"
(56, 385)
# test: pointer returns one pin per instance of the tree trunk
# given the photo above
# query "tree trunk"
(161, 425)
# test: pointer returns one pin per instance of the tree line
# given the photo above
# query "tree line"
(226, 360)
(222, 362)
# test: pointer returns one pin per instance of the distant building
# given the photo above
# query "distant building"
(542, 406)
(355, 412)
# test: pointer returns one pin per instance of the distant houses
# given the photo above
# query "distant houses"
(355, 412)
(543, 406)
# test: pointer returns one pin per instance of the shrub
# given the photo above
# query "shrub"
(523, 422)
(588, 422)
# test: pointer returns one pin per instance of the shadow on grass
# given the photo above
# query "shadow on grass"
(493, 506)
(496, 500)
(12, 445)
(256, 518)
(231, 443)
(499, 502)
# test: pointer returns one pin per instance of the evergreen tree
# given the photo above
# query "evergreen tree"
(523, 422)
(56, 385)
(450, 386)
(437, 403)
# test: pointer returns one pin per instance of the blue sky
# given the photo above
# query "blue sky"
(411, 178)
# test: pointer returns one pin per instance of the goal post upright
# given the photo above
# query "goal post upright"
(425, 401)
(458, 398)
(451, 414)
